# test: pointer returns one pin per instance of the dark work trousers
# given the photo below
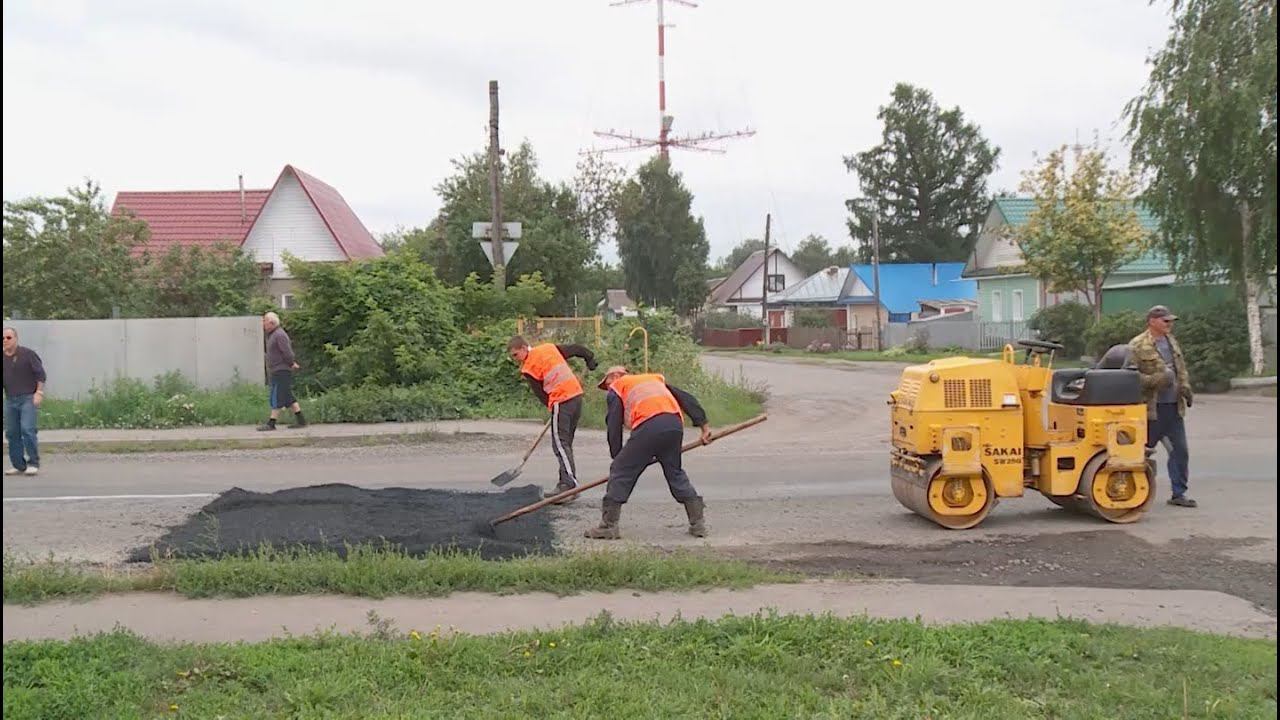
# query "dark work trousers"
(1170, 428)
(564, 423)
(658, 437)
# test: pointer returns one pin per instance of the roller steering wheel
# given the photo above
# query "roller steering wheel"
(1042, 346)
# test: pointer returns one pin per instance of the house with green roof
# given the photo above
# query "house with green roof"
(1007, 292)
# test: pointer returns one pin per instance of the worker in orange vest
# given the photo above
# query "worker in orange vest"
(546, 368)
(651, 409)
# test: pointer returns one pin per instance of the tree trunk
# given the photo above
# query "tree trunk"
(1252, 288)
(1257, 360)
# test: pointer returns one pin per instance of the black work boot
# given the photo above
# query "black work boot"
(609, 516)
(694, 508)
(559, 489)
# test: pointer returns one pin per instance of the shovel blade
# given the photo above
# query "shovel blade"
(506, 477)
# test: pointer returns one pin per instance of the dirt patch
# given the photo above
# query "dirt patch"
(1084, 559)
(331, 517)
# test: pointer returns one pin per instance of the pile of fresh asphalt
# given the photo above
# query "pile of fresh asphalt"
(334, 517)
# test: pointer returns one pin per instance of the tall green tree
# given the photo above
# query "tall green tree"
(553, 243)
(1084, 224)
(66, 257)
(663, 247)
(814, 254)
(1204, 129)
(597, 185)
(197, 282)
(928, 176)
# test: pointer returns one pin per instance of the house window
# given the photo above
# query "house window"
(776, 283)
(1016, 312)
(288, 302)
(997, 309)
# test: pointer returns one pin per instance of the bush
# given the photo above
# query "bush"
(813, 318)
(1065, 323)
(730, 321)
(1215, 344)
(1113, 330)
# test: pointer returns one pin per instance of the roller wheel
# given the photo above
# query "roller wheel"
(1097, 482)
(954, 503)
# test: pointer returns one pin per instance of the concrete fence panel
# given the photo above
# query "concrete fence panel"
(79, 355)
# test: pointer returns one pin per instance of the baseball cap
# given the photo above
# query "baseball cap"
(604, 381)
(1160, 311)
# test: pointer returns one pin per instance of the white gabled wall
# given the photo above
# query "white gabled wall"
(997, 250)
(778, 264)
(289, 222)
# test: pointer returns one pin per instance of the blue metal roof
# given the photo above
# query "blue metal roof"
(904, 285)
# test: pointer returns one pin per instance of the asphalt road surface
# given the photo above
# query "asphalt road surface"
(808, 489)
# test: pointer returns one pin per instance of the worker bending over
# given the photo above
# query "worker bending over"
(651, 409)
(546, 368)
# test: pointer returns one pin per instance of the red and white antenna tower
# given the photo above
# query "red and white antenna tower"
(665, 141)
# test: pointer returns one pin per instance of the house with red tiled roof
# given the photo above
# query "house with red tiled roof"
(299, 216)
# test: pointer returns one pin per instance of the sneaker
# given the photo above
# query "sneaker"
(265, 427)
(13, 471)
(1182, 501)
(31, 471)
(298, 424)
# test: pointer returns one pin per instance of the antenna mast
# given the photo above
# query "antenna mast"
(665, 141)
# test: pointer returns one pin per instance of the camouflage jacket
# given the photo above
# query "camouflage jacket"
(1152, 369)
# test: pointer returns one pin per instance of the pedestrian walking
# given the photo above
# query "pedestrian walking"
(281, 365)
(1166, 388)
(652, 410)
(24, 379)
(545, 367)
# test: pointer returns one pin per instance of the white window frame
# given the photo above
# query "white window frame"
(997, 306)
(288, 301)
(1016, 310)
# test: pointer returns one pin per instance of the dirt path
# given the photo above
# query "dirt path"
(169, 618)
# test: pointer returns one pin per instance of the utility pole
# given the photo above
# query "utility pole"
(495, 192)
(875, 267)
(764, 290)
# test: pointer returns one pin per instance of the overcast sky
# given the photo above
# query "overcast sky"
(375, 98)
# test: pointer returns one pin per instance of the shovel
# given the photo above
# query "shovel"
(508, 475)
(723, 432)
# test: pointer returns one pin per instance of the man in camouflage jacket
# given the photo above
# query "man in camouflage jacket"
(1166, 388)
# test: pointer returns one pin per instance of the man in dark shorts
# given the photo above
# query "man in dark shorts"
(280, 364)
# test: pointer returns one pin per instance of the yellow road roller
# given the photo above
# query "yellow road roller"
(969, 431)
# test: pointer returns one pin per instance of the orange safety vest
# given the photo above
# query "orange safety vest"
(644, 396)
(546, 365)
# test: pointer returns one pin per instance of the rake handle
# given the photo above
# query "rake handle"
(724, 432)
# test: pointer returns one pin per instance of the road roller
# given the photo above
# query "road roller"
(970, 431)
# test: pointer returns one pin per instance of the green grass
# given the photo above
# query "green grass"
(171, 402)
(376, 572)
(747, 667)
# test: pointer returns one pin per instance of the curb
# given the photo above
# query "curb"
(1252, 382)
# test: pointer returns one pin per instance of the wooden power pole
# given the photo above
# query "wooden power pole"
(495, 193)
(764, 291)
